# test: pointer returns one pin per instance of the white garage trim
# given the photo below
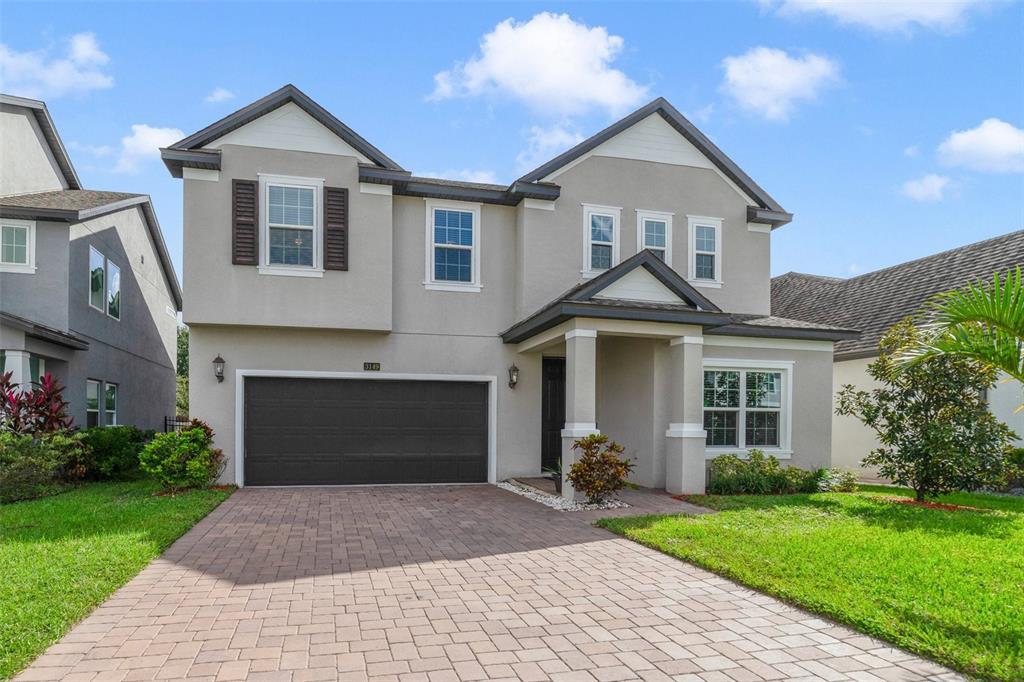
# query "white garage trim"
(241, 374)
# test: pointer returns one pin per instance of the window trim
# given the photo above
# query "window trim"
(476, 282)
(106, 289)
(99, 397)
(29, 267)
(117, 399)
(265, 267)
(643, 214)
(785, 447)
(693, 222)
(615, 213)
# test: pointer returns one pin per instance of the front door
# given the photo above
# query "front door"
(552, 411)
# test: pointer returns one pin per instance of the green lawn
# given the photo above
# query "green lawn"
(61, 556)
(948, 585)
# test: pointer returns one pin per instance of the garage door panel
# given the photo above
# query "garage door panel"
(355, 431)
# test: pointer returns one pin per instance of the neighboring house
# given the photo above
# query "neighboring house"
(87, 290)
(383, 328)
(874, 302)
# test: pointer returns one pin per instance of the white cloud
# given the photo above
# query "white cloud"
(911, 151)
(884, 15)
(552, 63)
(219, 95)
(99, 151)
(543, 144)
(702, 115)
(770, 83)
(37, 74)
(467, 174)
(995, 146)
(143, 144)
(929, 187)
(853, 269)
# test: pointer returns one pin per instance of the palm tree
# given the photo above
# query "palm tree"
(984, 321)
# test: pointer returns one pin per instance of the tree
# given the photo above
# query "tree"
(983, 321)
(933, 425)
(182, 351)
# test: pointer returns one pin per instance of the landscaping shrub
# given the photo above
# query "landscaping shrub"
(1014, 472)
(758, 475)
(837, 481)
(599, 472)
(33, 410)
(115, 451)
(183, 459)
(34, 465)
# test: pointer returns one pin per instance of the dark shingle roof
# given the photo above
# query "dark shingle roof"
(67, 199)
(457, 183)
(875, 301)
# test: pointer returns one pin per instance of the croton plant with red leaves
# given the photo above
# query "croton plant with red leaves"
(41, 409)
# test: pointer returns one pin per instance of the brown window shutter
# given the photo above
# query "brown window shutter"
(244, 222)
(335, 228)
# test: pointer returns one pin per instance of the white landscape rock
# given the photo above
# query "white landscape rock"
(556, 501)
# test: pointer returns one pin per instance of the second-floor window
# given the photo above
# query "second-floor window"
(290, 224)
(601, 233)
(17, 246)
(654, 232)
(705, 250)
(453, 246)
(104, 284)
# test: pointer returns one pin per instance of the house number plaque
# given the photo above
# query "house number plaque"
(371, 366)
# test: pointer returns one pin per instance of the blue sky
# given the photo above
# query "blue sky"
(891, 130)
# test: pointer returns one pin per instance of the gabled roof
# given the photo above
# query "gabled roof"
(265, 105)
(76, 205)
(675, 119)
(50, 134)
(583, 300)
(875, 301)
(44, 333)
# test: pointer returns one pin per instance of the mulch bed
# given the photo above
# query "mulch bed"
(932, 505)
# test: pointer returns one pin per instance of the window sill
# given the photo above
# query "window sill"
(18, 269)
(777, 453)
(450, 286)
(706, 283)
(283, 271)
(591, 274)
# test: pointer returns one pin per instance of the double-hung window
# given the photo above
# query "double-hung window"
(453, 246)
(601, 238)
(290, 225)
(705, 250)
(17, 246)
(104, 284)
(654, 232)
(92, 403)
(110, 404)
(746, 408)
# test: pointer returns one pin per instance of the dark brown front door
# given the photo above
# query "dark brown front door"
(363, 431)
(552, 411)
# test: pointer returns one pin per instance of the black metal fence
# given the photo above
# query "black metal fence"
(175, 424)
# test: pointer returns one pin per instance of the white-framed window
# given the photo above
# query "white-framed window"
(654, 232)
(36, 368)
(113, 290)
(600, 238)
(17, 246)
(92, 402)
(109, 404)
(705, 250)
(747, 404)
(453, 246)
(291, 225)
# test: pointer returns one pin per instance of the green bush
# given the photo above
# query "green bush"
(33, 466)
(598, 473)
(837, 481)
(115, 451)
(183, 459)
(1014, 469)
(758, 475)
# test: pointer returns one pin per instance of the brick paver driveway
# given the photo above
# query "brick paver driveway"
(444, 583)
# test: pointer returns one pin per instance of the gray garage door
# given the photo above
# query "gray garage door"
(361, 431)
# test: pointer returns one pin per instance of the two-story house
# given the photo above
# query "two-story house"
(369, 326)
(87, 289)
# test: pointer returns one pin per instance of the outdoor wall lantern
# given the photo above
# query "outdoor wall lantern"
(513, 376)
(218, 368)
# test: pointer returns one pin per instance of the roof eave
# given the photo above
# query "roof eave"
(404, 184)
(765, 216)
(765, 331)
(177, 159)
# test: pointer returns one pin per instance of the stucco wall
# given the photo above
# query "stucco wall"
(359, 298)
(26, 164)
(41, 296)
(553, 241)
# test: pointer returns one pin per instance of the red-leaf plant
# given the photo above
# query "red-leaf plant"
(34, 410)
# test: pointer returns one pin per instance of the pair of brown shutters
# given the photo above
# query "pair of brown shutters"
(245, 225)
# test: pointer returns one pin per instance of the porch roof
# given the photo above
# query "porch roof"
(692, 308)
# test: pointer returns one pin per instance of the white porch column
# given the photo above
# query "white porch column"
(684, 452)
(17, 363)
(580, 396)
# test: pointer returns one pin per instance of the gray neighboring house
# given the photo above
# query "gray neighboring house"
(875, 301)
(378, 328)
(87, 289)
